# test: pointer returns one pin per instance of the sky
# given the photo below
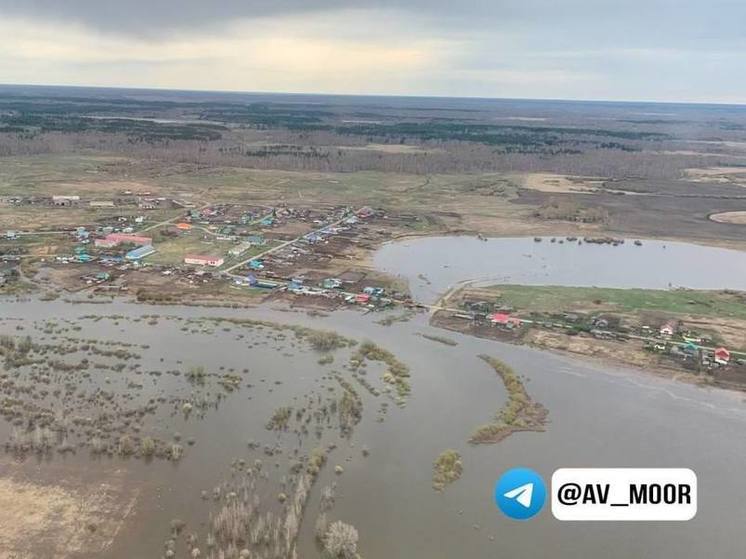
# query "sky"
(652, 50)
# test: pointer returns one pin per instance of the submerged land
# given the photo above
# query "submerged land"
(232, 362)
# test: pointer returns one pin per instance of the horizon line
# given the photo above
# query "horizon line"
(378, 95)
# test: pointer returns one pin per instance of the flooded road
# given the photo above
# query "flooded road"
(434, 264)
(599, 416)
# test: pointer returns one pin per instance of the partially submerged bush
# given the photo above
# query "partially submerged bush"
(325, 340)
(126, 446)
(196, 375)
(280, 419)
(397, 373)
(341, 540)
(446, 469)
(147, 446)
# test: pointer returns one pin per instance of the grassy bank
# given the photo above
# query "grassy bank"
(678, 301)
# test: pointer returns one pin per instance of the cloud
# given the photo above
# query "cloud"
(648, 21)
(647, 49)
(286, 55)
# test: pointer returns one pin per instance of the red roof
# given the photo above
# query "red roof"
(362, 297)
(500, 317)
(722, 353)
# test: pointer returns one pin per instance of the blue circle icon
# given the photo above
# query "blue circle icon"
(520, 493)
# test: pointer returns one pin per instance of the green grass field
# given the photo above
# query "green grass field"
(172, 251)
(557, 299)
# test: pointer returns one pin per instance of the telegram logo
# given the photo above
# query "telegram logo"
(520, 493)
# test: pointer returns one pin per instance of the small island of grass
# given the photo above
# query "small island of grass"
(447, 468)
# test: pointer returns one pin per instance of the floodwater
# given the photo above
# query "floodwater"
(434, 264)
(599, 416)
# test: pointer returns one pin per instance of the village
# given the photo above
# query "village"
(669, 342)
(224, 249)
(170, 250)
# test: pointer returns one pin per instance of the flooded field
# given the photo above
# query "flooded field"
(260, 427)
(434, 264)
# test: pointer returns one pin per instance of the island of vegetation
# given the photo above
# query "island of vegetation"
(519, 413)
(447, 468)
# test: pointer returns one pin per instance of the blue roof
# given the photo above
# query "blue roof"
(140, 252)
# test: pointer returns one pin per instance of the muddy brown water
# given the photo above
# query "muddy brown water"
(433, 264)
(599, 416)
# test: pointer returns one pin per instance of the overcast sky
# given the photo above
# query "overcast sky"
(668, 50)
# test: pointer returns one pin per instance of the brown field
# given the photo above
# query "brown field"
(736, 218)
(549, 182)
(391, 148)
(495, 204)
(61, 520)
(720, 175)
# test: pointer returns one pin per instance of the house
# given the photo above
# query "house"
(257, 240)
(504, 319)
(65, 200)
(478, 306)
(601, 334)
(182, 203)
(249, 280)
(373, 291)
(184, 226)
(331, 283)
(362, 298)
(239, 249)
(669, 328)
(600, 322)
(101, 203)
(139, 253)
(148, 203)
(722, 356)
(199, 260)
(313, 237)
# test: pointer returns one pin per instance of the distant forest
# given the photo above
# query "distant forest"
(349, 134)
